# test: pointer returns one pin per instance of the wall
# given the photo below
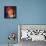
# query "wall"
(28, 12)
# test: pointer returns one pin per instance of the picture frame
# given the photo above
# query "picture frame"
(10, 12)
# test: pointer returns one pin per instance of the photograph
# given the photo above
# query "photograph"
(9, 11)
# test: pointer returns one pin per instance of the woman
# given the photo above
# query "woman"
(10, 12)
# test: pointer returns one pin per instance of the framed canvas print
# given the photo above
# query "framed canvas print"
(9, 11)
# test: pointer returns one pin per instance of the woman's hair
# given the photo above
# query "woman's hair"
(8, 8)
